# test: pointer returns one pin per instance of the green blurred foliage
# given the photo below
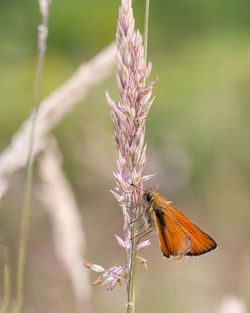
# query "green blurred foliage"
(197, 133)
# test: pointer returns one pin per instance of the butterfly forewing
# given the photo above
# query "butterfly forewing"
(201, 242)
(173, 240)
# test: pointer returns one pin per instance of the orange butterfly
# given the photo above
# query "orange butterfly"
(178, 235)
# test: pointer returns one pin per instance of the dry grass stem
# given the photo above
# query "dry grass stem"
(68, 233)
(51, 112)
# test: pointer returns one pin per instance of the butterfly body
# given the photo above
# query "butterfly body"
(178, 236)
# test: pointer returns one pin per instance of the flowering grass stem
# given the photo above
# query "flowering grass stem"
(129, 117)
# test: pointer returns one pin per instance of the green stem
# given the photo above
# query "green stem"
(132, 273)
(6, 288)
(24, 236)
(132, 278)
(146, 30)
(29, 175)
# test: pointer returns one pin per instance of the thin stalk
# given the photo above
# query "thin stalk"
(6, 288)
(24, 236)
(29, 168)
(131, 304)
(146, 30)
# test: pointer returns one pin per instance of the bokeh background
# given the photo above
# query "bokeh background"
(198, 147)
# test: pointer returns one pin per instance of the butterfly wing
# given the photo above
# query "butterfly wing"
(201, 242)
(174, 240)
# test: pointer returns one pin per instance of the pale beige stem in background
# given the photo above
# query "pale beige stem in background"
(51, 112)
(67, 229)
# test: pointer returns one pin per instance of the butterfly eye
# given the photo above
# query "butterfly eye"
(148, 197)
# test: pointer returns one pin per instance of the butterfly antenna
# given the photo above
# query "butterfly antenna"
(137, 187)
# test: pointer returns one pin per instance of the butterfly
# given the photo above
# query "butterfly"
(178, 236)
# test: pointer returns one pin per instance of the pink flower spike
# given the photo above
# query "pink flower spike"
(143, 245)
(94, 267)
(129, 115)
(121, 242)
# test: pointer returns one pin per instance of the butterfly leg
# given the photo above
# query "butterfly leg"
(137, 219)
(146, 231)
(141, 226)
(144, 235)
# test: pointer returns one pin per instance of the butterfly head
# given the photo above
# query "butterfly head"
(148, 196)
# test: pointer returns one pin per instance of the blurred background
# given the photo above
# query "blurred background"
(198, 146)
